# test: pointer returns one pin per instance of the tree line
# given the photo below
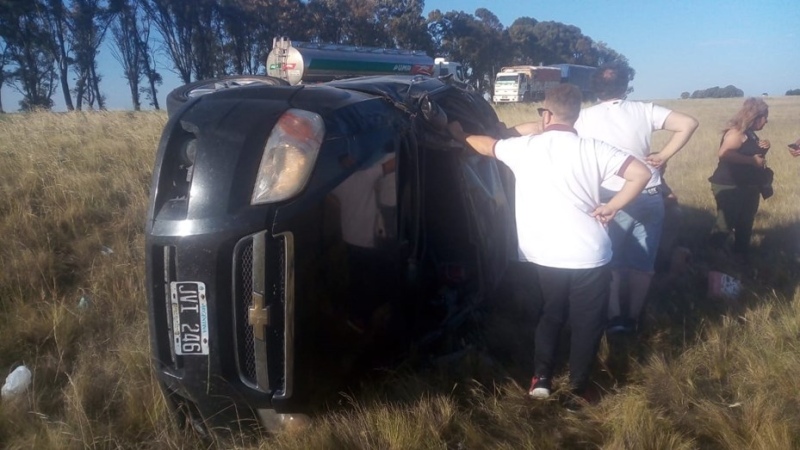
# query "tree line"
(729, 91)
(47, 46)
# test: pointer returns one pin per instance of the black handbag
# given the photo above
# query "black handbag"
(765, 187)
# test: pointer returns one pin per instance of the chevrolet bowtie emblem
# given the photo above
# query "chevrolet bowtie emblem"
(258, 316)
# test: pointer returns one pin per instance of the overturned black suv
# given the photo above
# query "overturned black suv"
(299, 235)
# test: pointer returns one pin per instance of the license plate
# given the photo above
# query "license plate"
(189, 317)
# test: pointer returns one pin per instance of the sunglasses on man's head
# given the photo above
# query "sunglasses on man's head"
(542, 110)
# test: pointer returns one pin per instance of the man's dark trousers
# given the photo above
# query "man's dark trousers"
(580, 296)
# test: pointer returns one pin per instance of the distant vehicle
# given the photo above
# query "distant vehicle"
(261, 255)
(580, 76)
(524, 83)
(443, 68)
(307, 62)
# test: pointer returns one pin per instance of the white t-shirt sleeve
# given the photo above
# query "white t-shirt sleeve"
(579, 125)
(509, 150)
(658, 116)
(611, 160)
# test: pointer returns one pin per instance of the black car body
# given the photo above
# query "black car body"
(250, 281)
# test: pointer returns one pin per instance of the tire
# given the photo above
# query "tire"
(179, 96)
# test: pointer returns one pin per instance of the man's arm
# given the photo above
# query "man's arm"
(636, 176)
(481, 144)
(682, 127)
(525, 129)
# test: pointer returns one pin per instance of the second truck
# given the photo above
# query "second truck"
(529, 83)
(524, 83)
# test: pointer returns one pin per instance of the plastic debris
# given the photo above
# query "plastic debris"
(723, 285)
(17, 382)
(106, 250)
(83, 303)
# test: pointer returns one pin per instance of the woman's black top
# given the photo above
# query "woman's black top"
(734, 174)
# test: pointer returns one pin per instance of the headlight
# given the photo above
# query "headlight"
(289, 156)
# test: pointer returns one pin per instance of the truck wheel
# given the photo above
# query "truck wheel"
(183, 94)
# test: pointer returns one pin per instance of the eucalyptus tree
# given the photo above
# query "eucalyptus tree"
(351, 22)
(54, 16)
(3, 62)
(88, 21)
(148, 52)
(32, 67)
(404, 25)
(477, 42)
(125, 48)
(190, 35)
(606, 54)
(524, 45)
(563, 43)
(132, 48)
(249, 26)
(241, 20)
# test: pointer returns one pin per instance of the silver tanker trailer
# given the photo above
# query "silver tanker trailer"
(305, 62)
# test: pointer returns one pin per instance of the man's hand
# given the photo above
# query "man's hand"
(796, 150)
(656, 160)
(764, 144)
(480, 143)
(604, 213)
(670, 199)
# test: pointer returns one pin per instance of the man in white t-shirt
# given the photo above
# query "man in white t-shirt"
(636, 230)
(561, 226)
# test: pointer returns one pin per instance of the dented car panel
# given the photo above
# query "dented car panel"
(282, 281)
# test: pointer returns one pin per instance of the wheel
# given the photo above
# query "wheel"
(181, 95)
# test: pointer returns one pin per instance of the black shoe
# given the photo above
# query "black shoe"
(540, 388)
(573, 404)
(576, 400)
(621, 325)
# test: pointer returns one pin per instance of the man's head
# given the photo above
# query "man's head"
(610, 81)
(564, 104)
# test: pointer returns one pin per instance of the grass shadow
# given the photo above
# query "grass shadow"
(679, 306)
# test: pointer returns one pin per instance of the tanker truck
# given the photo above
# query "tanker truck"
(305, 62)
(524, 83)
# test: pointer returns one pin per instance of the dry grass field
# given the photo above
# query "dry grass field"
(706, 373)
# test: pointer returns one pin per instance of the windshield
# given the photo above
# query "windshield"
(506, 79)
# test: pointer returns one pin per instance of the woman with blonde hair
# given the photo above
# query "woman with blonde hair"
(741, 177)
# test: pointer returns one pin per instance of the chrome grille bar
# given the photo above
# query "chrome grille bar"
(289, 316)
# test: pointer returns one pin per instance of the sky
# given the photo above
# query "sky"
(674, 46)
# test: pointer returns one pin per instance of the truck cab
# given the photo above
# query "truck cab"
(443, 68)
(524, 83)
(510, 87)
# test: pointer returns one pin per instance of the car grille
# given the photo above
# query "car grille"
(260, 268)
(243, 292)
